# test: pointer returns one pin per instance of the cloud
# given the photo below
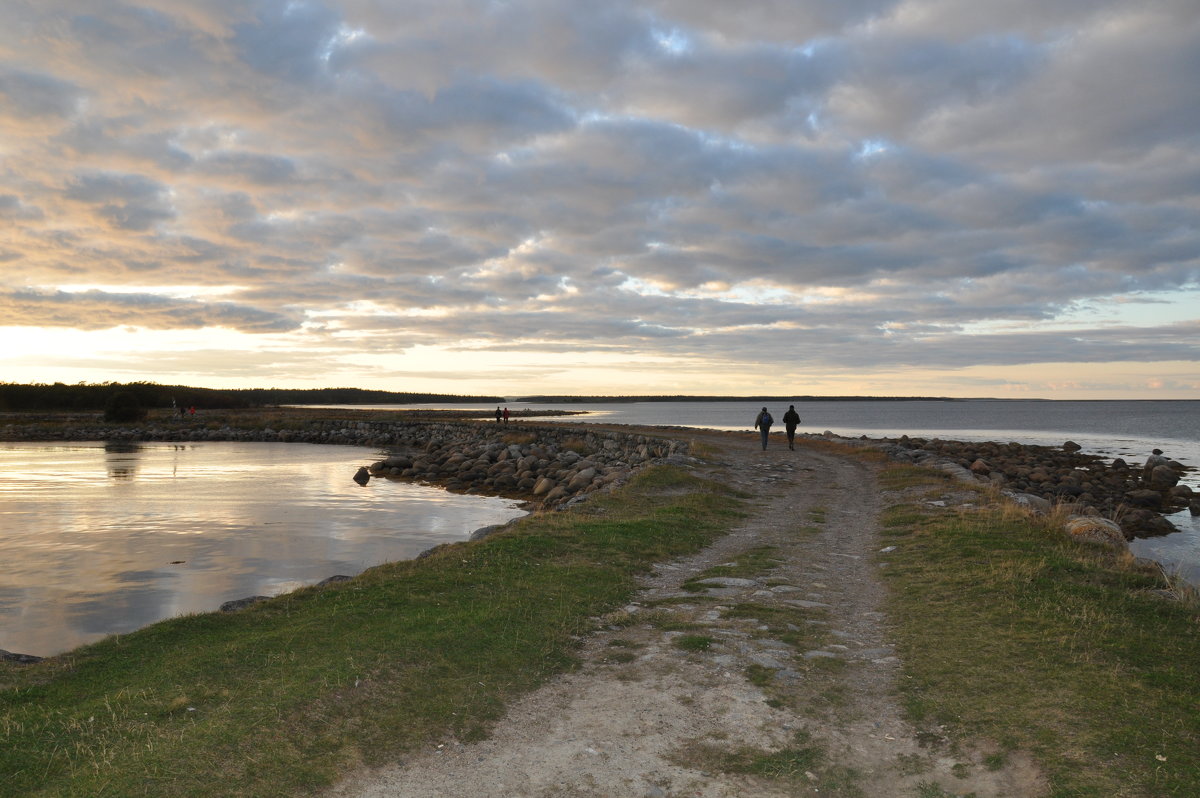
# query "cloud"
(866, 184)
(99, 310)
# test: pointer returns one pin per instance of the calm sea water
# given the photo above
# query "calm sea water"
(1128, 429)
(99, 540)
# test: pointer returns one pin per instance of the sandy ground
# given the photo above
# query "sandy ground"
(646, 718)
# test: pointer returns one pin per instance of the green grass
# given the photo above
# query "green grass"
(1013, 633)
(801, 763)
(694, 643)
(278, 699)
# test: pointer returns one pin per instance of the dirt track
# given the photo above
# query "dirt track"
(799, 661)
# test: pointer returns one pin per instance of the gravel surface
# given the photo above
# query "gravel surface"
(798, 658)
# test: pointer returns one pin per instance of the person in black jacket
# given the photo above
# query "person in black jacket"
(790, 419)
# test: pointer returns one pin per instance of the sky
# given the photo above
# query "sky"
(785, 197)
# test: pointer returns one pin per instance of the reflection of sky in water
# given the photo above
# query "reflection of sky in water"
(100, 540)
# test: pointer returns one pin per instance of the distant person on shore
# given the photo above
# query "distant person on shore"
(1155, 459)
(790, 421)
(762, 423)
(497, 414)
(506, 415)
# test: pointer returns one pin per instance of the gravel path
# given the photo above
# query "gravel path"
(685, 684)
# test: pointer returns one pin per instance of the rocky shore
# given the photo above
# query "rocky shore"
(547, 465)
(1042, 476)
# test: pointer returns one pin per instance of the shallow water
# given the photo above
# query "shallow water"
(99, 540)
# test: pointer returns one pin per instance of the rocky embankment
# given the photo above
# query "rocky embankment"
(544, 464)
(1040, 476)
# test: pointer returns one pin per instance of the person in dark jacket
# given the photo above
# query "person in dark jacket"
(790, 419)
(762, 423)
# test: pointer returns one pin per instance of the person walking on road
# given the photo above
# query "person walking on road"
(762, 423)
(790, 419)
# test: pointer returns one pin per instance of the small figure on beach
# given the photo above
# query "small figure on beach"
(762, 423)
(790, 421)
(506, 415)
(497, 414)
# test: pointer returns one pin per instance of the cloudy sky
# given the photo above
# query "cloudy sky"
(891, 197)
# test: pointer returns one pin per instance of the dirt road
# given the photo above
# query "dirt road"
(780, 681)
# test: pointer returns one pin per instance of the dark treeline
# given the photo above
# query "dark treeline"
(88, 397)
(604, 399)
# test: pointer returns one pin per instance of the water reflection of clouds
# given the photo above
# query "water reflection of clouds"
(234, 520)
(115, 611)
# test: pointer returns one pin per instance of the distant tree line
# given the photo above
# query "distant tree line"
(95, 397)
(776, 399)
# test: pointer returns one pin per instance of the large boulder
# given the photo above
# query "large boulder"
(1143, 523)
(1163, 477)
(1090, 529)
(1144, 498)
(581, 480)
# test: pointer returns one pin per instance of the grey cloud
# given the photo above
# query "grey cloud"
(249, 167)
(124, 201)
(28, 94)
(98, 310)
(772, 20)
(13, 208)
(288, 38)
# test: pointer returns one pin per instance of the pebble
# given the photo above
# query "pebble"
(727, 581)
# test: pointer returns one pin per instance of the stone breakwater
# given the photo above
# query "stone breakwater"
(549, 465)
(1041, 476)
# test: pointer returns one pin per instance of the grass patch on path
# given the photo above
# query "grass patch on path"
(1011, 632)
(279, 699)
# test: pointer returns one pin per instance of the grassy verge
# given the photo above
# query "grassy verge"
(280, 698)
(1011, 632)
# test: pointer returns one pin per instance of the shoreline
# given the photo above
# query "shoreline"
(554, 466)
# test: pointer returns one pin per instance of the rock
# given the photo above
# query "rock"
(727, 581)
(20, 659)
(1071, 446)
(581, 480)
(1091, 529)
(333, 580)
(1144, 498)
(1163, 478)
(1030, 502)
(242, 603)
(1143, 523)
(362, 476)
(486, 531)
(1194, 507)
(981, 467)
